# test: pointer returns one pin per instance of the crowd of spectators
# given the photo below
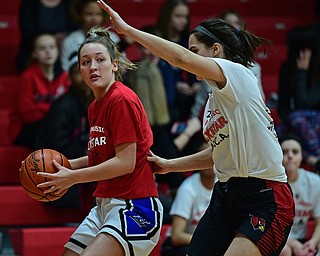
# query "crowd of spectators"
(53, 99)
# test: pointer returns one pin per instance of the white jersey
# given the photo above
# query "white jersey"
(191, 201)
(238, 125)
(306, 191)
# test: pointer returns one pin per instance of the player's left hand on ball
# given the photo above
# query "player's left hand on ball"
(22, 163)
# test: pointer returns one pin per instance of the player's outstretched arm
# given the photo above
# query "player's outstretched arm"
(154, 43)
(198, 161)
(174, 53)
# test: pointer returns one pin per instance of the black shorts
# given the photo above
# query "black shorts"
(260, 209)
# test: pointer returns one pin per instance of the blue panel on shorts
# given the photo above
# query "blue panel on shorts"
(141, 217)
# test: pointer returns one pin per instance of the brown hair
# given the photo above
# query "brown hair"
(101, 35)
(239, 45)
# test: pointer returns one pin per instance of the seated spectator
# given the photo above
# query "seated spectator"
(42, 83)
(87, 14)
(299, 92)
(173, 24)
(306, 190)
(38, 17)
(192, 199)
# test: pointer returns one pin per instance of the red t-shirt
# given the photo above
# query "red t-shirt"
(119, 117)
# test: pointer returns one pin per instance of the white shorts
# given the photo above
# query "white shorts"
(136, 223)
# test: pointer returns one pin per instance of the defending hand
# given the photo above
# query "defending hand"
(120, 26)
(159, 165)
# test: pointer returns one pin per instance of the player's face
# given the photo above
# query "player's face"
(96, 67)
(292, 155)
(216, 51)
(199, 48)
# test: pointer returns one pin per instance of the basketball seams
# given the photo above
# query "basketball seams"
(29, 183)
(27, 170)
(43, 162)
(39, 196)
(64, 161)
(30, 179)
(61, 159)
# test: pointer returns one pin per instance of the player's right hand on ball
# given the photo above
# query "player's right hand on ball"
(57, 182)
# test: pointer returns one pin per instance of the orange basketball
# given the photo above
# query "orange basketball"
(41, 161)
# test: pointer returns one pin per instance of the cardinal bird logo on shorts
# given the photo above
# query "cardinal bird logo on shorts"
(258, 223)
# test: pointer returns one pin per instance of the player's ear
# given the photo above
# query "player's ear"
(215, 49)
(115, 65)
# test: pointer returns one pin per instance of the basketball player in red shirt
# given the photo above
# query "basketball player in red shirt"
(127, 217)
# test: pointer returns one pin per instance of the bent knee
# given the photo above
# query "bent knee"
(242, 246)
(286, 251)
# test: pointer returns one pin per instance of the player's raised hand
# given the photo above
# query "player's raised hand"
(119, 24)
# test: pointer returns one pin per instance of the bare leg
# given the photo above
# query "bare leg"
(242, 246)
(68, 252)
(104, 245)
(286, 251)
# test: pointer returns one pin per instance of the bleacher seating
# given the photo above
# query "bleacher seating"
(9, 125)
(8, 90)
(10, 7)
(275, 28)
(9, 35)
(38, 228)
(273, 58)
(18, 209)
(9, 41)
(40, 241)
(10, 162)
(49, 241)
(270, 84)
